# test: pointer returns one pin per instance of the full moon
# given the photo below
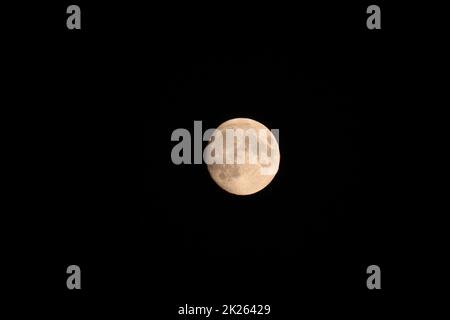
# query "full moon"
(245, 178)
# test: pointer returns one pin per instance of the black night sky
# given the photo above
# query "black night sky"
(302, 244)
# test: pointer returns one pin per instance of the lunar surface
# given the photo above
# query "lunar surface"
(248, 176)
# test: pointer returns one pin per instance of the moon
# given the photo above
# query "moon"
(248, 177)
